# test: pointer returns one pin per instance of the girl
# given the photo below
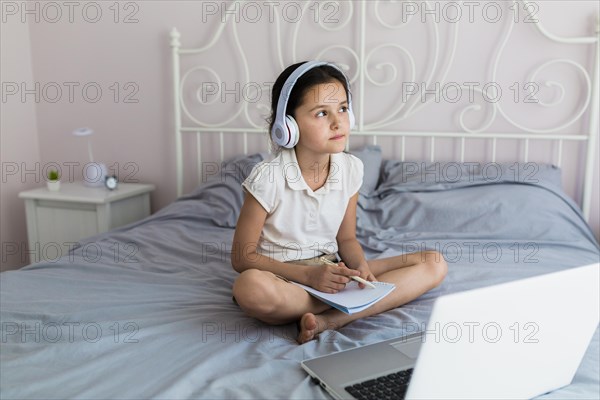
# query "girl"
(301, 206)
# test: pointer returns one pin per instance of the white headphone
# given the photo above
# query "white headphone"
(285, 130)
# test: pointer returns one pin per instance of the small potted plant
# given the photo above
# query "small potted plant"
(53, 180)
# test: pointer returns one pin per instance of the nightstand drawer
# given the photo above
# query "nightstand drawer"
(60, 225)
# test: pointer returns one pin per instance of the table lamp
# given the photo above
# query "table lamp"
(94, 173)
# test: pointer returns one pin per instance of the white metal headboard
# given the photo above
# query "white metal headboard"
(357, 13)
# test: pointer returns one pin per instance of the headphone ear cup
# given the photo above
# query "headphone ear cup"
(293, 131)
(279, 133)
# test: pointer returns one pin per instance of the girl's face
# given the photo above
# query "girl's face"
(322, 118)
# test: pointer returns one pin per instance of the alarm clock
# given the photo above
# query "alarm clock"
(111, 182)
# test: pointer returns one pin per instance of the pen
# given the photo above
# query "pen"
(361, 280)
(356, 278)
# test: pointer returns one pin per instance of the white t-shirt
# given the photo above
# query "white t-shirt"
(301, 223)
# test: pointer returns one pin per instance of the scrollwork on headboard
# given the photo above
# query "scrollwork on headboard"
(433, 69)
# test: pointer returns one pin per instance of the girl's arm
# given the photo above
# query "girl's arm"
(247, 232)
(348, 247)
(244, 255)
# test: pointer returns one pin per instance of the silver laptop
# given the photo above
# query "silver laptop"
(513, 340)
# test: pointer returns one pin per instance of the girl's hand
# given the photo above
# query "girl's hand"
(366, 274)
(330, 278)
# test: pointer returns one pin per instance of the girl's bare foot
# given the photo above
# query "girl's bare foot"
(309, 328)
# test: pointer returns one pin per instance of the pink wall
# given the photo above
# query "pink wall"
(124, 51)
(19, 146)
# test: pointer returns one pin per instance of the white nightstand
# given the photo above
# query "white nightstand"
(55, 220)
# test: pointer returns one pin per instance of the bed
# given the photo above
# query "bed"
(145, 310)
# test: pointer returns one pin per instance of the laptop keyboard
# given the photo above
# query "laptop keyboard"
(392, 386)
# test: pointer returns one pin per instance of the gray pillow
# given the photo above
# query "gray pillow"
(370, 156)
(433, 176)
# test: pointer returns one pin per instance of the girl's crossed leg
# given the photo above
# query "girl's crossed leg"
(271, 299)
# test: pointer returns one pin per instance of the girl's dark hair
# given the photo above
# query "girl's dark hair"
(314, 76)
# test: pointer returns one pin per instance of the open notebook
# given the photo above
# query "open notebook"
(352, 299)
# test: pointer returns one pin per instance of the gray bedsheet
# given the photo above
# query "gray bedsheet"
(145, 311)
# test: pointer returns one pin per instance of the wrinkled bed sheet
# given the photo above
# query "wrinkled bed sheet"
(145, 311)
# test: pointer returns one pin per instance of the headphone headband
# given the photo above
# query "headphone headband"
(281, 132)
(289, 84)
